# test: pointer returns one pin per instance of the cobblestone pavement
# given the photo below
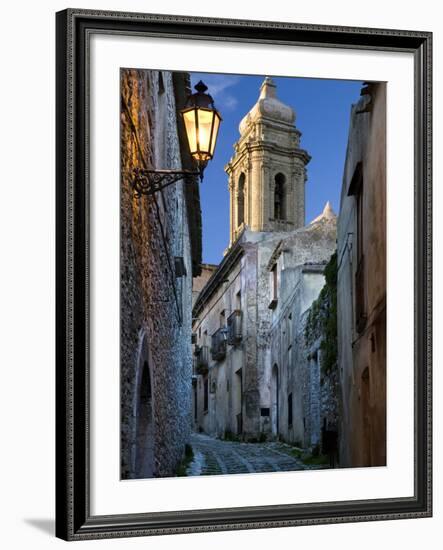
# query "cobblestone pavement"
(214, 456)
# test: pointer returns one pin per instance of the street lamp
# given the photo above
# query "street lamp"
(202, 121)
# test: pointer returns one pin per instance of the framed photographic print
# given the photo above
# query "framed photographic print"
(243, 274)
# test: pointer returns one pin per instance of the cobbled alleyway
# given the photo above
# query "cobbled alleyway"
(214, 456)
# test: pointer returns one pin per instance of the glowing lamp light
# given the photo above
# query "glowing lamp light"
(202, 122)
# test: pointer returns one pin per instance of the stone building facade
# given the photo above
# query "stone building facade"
(160, 255)
(298, 394)
(206, 272)
(361, 286)
(249, 319)
(319, 346)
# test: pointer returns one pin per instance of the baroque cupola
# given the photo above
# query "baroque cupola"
(267, 173)
(269, 107)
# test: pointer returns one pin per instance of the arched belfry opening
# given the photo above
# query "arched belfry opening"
(280, 197)
(144, 416)
(241, 200)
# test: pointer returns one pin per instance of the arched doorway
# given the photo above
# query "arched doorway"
(144, 437)
(274, 400)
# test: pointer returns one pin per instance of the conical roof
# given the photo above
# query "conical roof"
(327, 214)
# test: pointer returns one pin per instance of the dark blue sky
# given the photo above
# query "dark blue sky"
(322, 110)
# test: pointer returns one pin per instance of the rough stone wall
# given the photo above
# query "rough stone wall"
(329, 400)
(319, 339)
(362, 353)
(155, 305)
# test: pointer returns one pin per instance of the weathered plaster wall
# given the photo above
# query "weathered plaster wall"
(223, 376)
(300, 264)
(362, 353)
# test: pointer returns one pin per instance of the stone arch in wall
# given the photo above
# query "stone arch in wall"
(144, 452)
(274, 401)
(241, 199)
(280, 205)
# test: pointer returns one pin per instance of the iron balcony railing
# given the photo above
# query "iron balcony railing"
(201, 361)
(218, 347)
(234, 326)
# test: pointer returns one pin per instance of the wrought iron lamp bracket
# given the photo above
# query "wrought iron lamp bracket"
(148, 182)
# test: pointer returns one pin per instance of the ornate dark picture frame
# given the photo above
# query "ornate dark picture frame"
(74, 520)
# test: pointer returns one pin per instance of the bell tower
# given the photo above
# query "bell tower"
(267, 173)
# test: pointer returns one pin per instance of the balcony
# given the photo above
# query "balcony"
(201, 362)
(234, 327)
(218, 347)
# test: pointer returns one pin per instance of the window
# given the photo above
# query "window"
(161, 84)
(234, 327)
(238, 300)
(195, 404)
(356, 189)
(360, 224)
(241, 200)
(289, 331)
(273, 283)
(218, 344)
(205, 394)
(279, 197)
(222, 318)
(290, 410)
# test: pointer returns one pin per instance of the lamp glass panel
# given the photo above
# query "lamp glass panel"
(204, 130)
(214, 133)
(189, 119)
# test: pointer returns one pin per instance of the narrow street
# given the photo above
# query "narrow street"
(214, 456)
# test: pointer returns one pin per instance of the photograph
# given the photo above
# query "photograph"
(243, 273)
(252, 274)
